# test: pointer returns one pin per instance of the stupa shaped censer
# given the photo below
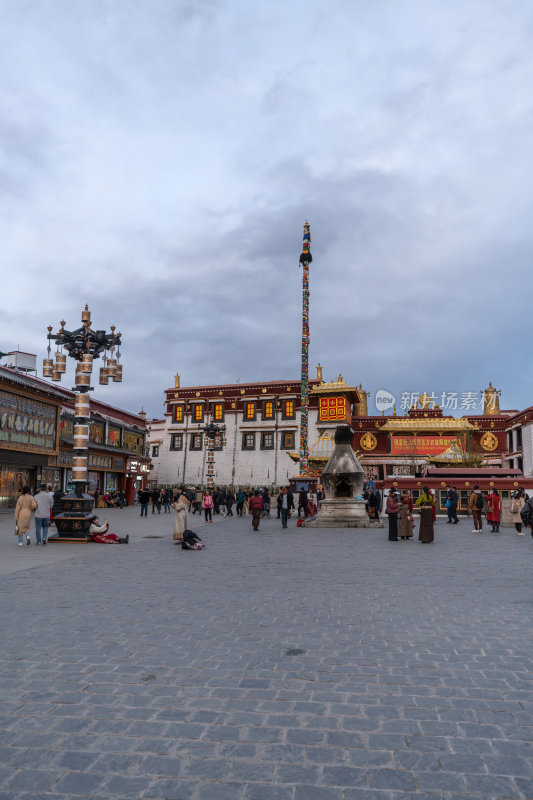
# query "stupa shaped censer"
(343, 479)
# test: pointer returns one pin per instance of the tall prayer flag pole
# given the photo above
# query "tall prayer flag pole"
(305, 260)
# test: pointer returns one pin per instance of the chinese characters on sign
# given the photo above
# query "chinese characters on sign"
(420, 445)
(332, 409)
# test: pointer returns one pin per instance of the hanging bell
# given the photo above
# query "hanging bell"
(56, 376)
(117, 377)
(48, 367)
(104, 379)
(111, 367)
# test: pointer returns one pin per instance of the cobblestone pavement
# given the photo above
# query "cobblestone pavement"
(299, 665)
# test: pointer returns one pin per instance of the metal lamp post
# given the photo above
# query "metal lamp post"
(84, 345)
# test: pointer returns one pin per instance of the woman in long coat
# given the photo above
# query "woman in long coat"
(405, 517)
(517, 504)
(391, 509)
(494, 505)
(25, 505)
(426, 503)
(181, 507)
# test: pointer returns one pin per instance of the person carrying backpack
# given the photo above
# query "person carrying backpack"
(256, 507)
(207, 505)
(476, 503)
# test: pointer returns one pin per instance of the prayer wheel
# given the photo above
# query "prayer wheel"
(82, 408)
(103, 376)
(61, 363)
(48, 367)
(81, 436)
(86, 363)
(56, 376)
(117, 377)
(82, 380)
(111, 367)
(79, 468)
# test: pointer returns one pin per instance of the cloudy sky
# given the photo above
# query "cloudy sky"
(158, 159)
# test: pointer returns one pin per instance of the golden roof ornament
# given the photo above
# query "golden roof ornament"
(319, 371)
(491, 401)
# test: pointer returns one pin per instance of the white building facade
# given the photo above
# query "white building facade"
(520, 441)
(260, 424)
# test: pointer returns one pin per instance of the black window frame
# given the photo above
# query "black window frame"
(244, 446)
(246, 404)
(173, 437)
(218, 403)
(283, 444)
(155, 447)
(193, 412)
(263, 410)
(263, 446)
(192, 439)
(284, 414)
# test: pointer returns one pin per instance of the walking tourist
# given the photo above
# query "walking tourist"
(527, 514)
(181, 506)
(45, 502)
(256, 507)
(167, 500)
(144, 499)
(285, 504)
(391, 509)
(494, 505)
(266, 502)
(476, 503)
(452, 501)
(222, 502)
(25, 505)
(517, 504)
(100, 535)
(230, 499)
(207, 505)
(197, 505)
(156, 501)
(373, 505)
(241, 498)
(302, 502)
(405, 516)
(426, 504)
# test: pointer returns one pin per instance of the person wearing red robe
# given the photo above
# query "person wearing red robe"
(99, 534)
(494, 506)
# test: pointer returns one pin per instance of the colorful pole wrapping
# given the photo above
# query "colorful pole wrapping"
(305, 260)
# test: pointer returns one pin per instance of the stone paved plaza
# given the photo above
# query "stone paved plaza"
(299, 665)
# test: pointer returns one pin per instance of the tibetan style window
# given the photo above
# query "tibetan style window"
(248, 441)
(287, 440)
(196, 441)
(178, 413)
(155, 451)
(218, 412)
(267, 441)
(288, 409)
(249, 411)
(198, 412)
(176, 441)
(268, 409)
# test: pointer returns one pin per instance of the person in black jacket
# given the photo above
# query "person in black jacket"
(285, 504)
(144, 499)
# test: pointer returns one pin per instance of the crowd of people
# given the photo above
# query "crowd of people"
(259, 503)
(399, 509)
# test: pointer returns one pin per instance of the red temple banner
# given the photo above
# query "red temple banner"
(423, 445)
(332, 409)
